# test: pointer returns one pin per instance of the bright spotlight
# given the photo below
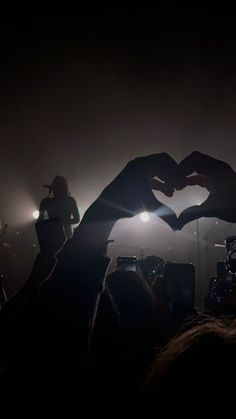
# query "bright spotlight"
(144, 217)
(36, 215)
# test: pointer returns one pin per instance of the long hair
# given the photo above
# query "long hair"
(60, 187)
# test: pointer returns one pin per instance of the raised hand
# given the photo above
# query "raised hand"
(219, 178)
(131, 191)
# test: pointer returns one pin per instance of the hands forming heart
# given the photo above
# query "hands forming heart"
(131, 192)
(219, 179)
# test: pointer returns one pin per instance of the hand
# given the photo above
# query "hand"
(220, 180)
(131, 191)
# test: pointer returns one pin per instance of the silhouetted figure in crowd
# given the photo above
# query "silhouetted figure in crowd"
(60, 205)
(135, 304)
(149, 267)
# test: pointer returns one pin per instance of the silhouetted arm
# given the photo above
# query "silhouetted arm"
(42, 209)
(75, 285)
(74, 211)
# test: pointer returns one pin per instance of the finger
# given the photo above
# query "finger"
(188, 215)
(195, 212)
(167, 189)
(193, 180)
(199, 180)
(169, 171)
(201, 164)
(161, 165)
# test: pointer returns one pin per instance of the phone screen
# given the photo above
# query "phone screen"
(179, 287)
(127, 263)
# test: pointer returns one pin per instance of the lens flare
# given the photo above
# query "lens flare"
(144, 217)
(35, 215)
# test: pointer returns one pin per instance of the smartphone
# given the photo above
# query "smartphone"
(179, 283)
(230, 244)
(127, 263)
(50, 234)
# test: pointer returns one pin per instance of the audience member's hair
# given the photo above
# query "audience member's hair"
(201, 357)
(60, 186)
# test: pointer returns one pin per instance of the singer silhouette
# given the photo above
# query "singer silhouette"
(60, 204)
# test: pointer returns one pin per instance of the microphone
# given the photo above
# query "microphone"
(47, 186)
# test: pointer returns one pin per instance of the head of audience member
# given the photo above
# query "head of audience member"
(133, 299)
(198, 362)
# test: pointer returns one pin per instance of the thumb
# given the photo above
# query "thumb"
(194, 213)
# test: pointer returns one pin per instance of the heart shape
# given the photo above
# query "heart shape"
(218, 178)
(131, 192)
(183, 198)
(192, 193)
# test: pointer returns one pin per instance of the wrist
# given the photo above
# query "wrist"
(92, 234)
(100, 211)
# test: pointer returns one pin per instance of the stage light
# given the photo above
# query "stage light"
(144, 216)
(36, 215)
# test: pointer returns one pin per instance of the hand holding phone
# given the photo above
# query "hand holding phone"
(127, 263)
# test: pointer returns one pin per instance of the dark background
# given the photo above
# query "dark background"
(83, 93)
